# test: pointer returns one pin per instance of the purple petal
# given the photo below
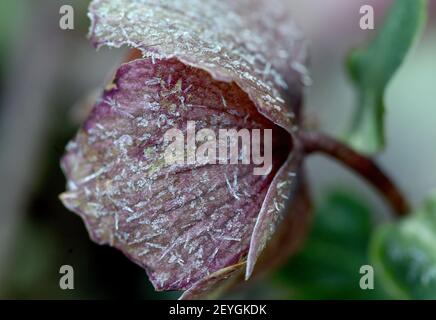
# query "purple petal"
(180, 222)
(252, 42)
(277, 202)
(213, 284)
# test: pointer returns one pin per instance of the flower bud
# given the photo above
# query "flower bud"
(206, 67)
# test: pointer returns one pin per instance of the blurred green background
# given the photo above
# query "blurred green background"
(45, 71)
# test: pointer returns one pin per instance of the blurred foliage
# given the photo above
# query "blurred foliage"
(9, 25)
(404, 254)
(328, 265)
(373, 67)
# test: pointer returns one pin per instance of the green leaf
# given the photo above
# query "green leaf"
(372, 68)
(328, 265)
(404, 255)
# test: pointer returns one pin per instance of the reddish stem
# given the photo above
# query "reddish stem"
(316, 142)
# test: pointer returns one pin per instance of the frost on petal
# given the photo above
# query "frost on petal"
(291, 231)
(251, 42)
(221, 63)
(180, 222)
(213, 284)
(278, 200)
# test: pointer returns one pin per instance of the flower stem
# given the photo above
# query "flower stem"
(317, 142)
